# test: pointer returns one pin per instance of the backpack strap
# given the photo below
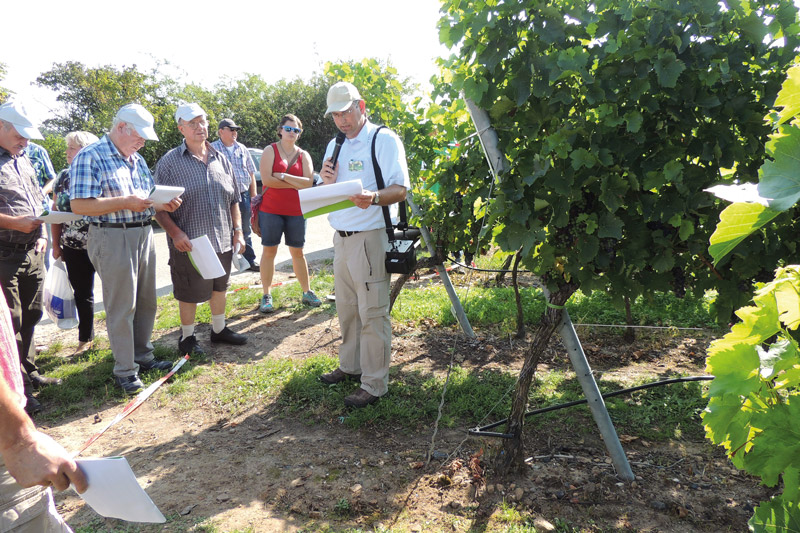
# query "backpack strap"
(403, 224)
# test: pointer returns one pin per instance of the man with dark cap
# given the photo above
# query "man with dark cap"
(245, 171)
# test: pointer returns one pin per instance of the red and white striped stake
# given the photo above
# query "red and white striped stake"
(134, 404)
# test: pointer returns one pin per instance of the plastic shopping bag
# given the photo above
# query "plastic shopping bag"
(59, 300)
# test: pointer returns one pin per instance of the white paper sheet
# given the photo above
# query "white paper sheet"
(205, 259)
(114, 492)
(58, 217)
(163, 194)
(315, 200)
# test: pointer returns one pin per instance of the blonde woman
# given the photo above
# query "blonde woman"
(69, 243)
(285, 169)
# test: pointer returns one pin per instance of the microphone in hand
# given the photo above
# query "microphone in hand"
(339, 142)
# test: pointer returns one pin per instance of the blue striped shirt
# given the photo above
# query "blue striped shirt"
(100, 171)
(241, 160)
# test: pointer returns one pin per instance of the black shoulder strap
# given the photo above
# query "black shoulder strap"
(403, 225)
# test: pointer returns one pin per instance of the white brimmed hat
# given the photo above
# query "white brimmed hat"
(340, 96)
(187, 112)
(141, 120)
(15, 114)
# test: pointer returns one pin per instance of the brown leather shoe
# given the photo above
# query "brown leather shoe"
(337, 376)
(360, 398)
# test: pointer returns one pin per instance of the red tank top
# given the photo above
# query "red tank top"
(283, 201)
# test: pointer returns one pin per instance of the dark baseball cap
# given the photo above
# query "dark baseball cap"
(228, 123)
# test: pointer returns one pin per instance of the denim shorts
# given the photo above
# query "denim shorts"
(273, 226)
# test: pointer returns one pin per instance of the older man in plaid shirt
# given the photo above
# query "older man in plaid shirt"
(211, 208)
(111, 185)
(245, 171)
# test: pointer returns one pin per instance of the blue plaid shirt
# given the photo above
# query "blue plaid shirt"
(241, 161)
(41, 163)
(100, 171)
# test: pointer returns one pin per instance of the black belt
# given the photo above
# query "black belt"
(346, 233)
(17, 247)
(123, 225)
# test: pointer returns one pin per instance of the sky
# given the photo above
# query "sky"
(205, 41)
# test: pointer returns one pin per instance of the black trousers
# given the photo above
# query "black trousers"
(22, 277)
(80, 272)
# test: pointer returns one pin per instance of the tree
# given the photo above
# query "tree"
(614, 116)
(4, 93)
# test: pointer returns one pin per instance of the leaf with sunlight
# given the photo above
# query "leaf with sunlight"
(736, 223)
(778, 178)
(789, 97)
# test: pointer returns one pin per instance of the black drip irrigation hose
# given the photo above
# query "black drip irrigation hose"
(476, 269)
(481, 431)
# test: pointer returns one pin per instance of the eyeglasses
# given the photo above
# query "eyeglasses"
(346, 112)
(288, 129)
(196, 125)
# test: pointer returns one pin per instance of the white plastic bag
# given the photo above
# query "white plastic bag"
(59, 300)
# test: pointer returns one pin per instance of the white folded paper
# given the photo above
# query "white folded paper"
(326, 198)
(163, 194)
(59, 217)
(114, 492)
(205, 259)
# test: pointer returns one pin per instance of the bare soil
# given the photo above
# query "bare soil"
(268, 472)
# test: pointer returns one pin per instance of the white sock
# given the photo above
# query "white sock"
(218, 322)
(187, 331)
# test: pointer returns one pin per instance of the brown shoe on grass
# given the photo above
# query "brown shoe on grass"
(359, 399)
(337, 376)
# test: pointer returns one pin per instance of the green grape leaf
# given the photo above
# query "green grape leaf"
(778, 179)
(787, 298)
(668, 67)
(789, 96)
(718, 416)
(736, 223)
(781, 355)
(735, 368)
(610, 226)
(779, 515)
(791, 484)
(777, 444)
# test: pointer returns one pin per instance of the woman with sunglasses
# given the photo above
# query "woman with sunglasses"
(285, 168)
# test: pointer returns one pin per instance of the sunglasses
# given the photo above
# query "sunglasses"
(288, 129)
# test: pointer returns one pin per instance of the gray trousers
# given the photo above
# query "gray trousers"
(362, 303)
(125, 260)
(29, 510)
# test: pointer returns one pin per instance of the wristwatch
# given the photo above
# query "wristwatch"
(376, 199)
(283, 176)
(237, 228)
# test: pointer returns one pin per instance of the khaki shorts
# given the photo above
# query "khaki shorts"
(188, 285)
(30, 510)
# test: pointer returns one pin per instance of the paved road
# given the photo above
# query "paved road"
(319, 246)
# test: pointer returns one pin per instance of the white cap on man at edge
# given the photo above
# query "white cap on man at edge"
(15, 114)
(187, 112)
(340, 96)
(141, 120)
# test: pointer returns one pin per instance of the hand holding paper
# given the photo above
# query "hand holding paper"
(114, 492)
(320, 200)
(164, 194)
(204, 258)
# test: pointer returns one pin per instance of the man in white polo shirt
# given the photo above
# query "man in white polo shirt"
(360, 277)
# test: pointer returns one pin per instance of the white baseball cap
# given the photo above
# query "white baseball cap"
(15, 113)
(340, 96)
(187, 112)
(141, 120)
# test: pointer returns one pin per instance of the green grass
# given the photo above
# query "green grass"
(242, 299)
(495, 308)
